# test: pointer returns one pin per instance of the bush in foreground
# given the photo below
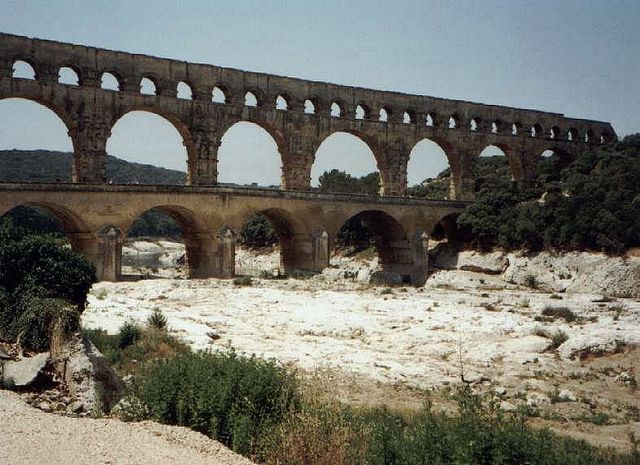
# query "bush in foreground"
(255, 407)
(234, 399)
(43, 284)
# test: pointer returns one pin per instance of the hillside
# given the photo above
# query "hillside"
(51, 166)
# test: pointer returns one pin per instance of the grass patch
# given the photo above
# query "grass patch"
(560, 312)
(242, 281)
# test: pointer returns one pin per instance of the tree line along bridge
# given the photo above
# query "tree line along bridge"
(299, 115)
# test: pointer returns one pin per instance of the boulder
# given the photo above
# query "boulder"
(25, 372)
(88, 375)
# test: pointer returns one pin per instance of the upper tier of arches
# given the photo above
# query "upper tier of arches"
(171, 78)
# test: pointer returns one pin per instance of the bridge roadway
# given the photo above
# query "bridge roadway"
(97, 218)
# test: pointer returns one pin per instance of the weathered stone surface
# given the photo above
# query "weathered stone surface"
(96, 218)
(583, 272)
(24, 372)
(83, 371)
(462, 129)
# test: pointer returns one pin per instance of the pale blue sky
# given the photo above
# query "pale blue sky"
(581, 58)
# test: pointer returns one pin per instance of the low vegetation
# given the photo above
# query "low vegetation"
(261, 410)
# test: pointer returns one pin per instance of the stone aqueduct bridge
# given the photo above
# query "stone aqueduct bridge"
(98, 215)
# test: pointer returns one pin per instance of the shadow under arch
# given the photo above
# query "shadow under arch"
(288, 230)
(550, 162)
(70, 221)
(369, 142)
(400, 257)
(172, 223)
(179, 125)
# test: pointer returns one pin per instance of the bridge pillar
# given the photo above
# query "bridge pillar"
(462, 179)
(298, 159)
(203, 157)
(305, 254)
(408, 258)
(89, 135)
(393, 175)
(103, 249)
(211, 256)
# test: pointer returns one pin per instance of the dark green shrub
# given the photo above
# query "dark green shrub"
(157, 319)
(258, 232)
(242, 281)
(128, 335)
(234, 399)
(560, 312)
(42, 265)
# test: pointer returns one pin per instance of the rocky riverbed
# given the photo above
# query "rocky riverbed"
(565, 351)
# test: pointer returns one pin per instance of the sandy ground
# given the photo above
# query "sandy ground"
(459, 323)
(29, 436)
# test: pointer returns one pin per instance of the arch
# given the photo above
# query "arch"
(237, 160)
(35, 128)
(282, 103)
(23, 69)
(384, 114)
(606, 137)
(169, 223)
(110, 81)
(218, 95)
(429, 170)
(408, 117)
(474, 124)
(454, 121)
(148, 86)
(250, 99)
(330, 155)
(573, 134)
(336, 110)
(536, 130)
(153, 133)
(588, 135)
(310, 106)
(69, 76)
(285, 226)
(376, 228)
(184, 91)
(69, 221)
(497, 126)
(431, 119)
(496, 162)
(362, 111)
(555, 133)
(516, 128)
(445, 230)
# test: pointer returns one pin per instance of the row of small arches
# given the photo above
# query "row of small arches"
(148, 86)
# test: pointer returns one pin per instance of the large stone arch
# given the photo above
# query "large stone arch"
(447, 148)
(196, 236)
(371, 142)
(181, 126)
(282, 144)
(294, 235)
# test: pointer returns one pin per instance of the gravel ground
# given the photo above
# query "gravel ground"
(29, 436)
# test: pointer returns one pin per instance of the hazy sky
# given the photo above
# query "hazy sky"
(578, 57)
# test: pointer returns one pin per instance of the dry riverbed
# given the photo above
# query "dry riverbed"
(406, 341)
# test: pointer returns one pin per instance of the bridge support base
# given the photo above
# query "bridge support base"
(403, 262)
(103, 249)
(211, 256)
(305, 254)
